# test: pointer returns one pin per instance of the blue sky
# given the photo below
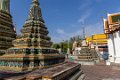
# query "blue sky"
(65, 18)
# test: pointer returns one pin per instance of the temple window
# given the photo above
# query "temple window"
(31, 36)
(39, 51)
(36, 35)
(36, 51)
(26, 63)
(28, 51)
(36, 63)
(35, 43)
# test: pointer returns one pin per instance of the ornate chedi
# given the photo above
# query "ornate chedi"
(87, 56)
(7, 32)
(32, 48)
(84, 55)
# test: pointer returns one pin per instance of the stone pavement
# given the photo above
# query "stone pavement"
(62, 71)
(100, 72)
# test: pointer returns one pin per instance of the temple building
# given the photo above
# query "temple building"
(7, 29)
(112, 29)
(32, 47)
(99, 43)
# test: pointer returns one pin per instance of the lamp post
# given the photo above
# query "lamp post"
(62, 46)
(68, 50)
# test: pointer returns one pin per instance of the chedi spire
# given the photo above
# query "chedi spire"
(35, 12)
(35, 1)
(5, 5)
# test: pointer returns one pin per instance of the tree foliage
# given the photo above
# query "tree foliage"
(64, 45)
(56, 46)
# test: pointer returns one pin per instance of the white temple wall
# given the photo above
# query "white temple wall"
(111, 48)
(117, 46)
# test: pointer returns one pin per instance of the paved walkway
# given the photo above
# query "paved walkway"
(100, 72)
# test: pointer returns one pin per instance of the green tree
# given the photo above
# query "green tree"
(56, 46)
(64, 45)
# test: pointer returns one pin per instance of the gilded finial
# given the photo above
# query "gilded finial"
(34, 0)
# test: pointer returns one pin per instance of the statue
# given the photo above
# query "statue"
(5, 5)
(74, 47)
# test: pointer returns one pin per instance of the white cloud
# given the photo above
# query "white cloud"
(94, 29)
(87, 4)
(85, 16)
(89, 29)
(60, 31)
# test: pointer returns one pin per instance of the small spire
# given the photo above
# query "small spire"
(35, 11)
(5, 5)
(35, 1)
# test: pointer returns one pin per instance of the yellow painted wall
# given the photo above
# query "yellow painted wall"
(97, 38)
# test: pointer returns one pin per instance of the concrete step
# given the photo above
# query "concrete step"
(82, 77)
(76, 76)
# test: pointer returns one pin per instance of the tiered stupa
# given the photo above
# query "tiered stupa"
(32, 48)
(84, 55)
(7, 32)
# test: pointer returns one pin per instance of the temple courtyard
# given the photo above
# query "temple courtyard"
(29, 53)
(100, 71)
